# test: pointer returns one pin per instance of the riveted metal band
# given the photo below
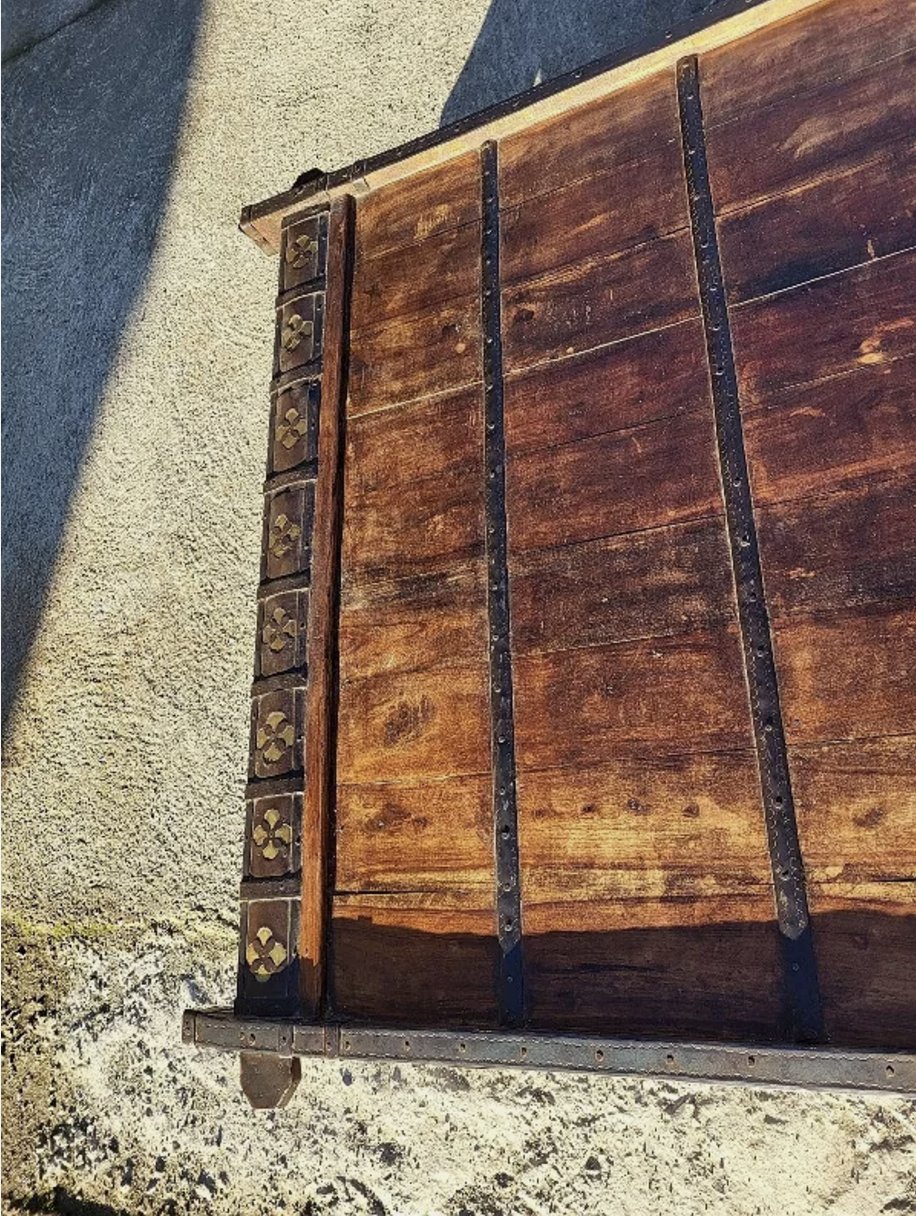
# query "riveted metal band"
(752, 1064)
(505, 812)
(799, 963)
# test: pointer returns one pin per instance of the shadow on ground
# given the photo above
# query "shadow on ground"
(91, 113)
(524, 42)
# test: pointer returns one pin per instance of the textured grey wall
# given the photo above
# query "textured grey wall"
(136, 358)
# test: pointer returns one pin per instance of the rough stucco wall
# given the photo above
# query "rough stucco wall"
(136, 365)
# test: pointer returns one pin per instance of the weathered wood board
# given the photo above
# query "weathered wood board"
(615, 550)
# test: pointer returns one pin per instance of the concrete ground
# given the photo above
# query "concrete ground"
(136, 351)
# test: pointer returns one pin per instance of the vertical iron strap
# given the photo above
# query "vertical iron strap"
(799, 963)
(505, 812)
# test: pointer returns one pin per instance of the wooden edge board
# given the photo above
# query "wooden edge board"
(322, 623)
(724, 23)
(752, 1064)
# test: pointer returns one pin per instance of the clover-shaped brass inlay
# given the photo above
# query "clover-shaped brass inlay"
(291, 428)
(295, 329)
(275, 737)
(284, 532)
(279, 629)
(273, 835)
(264, 954)
(299, 251)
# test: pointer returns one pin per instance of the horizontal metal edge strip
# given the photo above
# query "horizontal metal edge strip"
(307, 470)
(296, 679)
(810, 1067)
(224, 1030)
(269, 787)
(252, 890)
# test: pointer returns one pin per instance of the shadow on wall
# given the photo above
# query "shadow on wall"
(91, 113)
(523, 42)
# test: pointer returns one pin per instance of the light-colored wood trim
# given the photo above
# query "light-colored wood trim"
(262, 223)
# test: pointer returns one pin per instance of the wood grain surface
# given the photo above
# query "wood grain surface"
(643, 379)
(605, 134)
(803, 53)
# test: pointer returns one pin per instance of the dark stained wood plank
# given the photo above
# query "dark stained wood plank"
(415, 355)
(848, 550)
(665, 696)
(785, 145)
(802, 53)
(645, 477)
(680, 968)
(608, 133)
(861, 317)
(429, 620)
(640, 380)
(413, 208)
(322, 621)
(404, 726)
(417, 277)
(866, 948)
(414, 836)
(834, 435)
(411, 528)
(847, 676)
(416, 959)
(677, 826)
(587, 304)
(646, 584)
(602, 214)
(856, 809)
(432, 437)
(825, 226)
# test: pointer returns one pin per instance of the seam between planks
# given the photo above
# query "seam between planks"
(796, 939)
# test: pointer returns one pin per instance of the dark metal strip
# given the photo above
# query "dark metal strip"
(505, 813)
(758, 1065)
(799, 963)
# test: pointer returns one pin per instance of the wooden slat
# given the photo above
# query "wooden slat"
(607, 389)
(646, 584)
(825, 226)
(322, 621)
(665, 696)
(429, 438)
(413, 836)
(415, 355)
(862, 316)
(645, 477)
(429, 620)
(419, 206)
(802, 53)
(783, 146)
(417, 277)
(848, 676)
(848, 550)
(678, 826)
(866, 944)
(679, 968)
(604, 134)
(398, 727)
(416, 959)
(602, 214)
(587, 304)
(857, 809)
(412, 528)
(835, 435)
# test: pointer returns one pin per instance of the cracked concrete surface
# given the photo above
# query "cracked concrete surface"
(136, 356)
